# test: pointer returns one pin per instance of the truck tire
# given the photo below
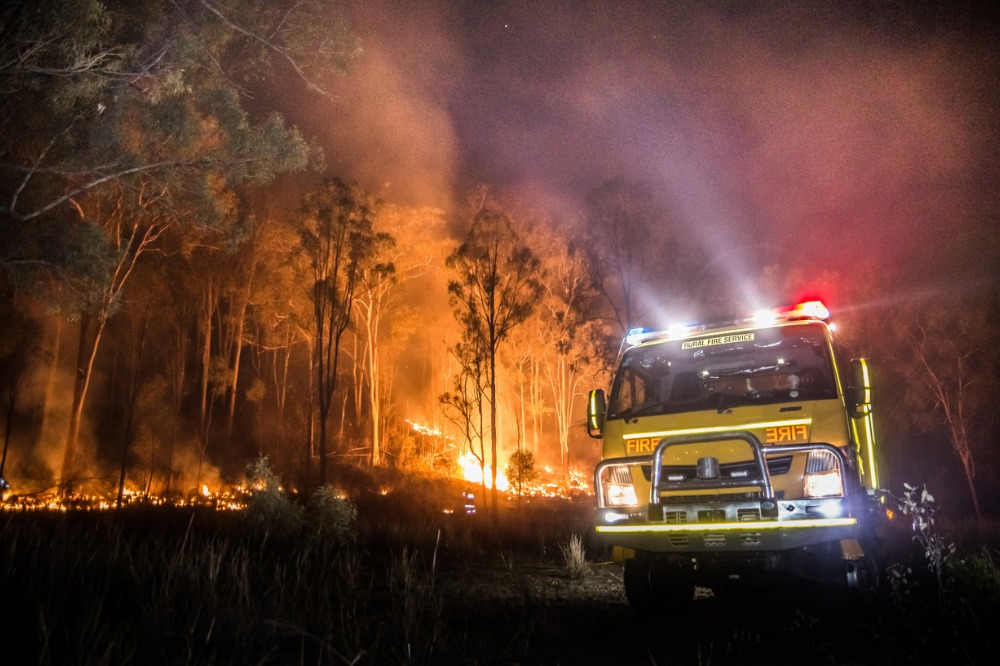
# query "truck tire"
(656, 585)
(850, 585)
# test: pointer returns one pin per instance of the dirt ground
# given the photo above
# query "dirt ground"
(534, 612)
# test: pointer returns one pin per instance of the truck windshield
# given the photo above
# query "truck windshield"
(773, 365)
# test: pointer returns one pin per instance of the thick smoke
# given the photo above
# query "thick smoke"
(844, 137)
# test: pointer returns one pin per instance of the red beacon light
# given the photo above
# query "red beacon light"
(814, 309)
(805, 309)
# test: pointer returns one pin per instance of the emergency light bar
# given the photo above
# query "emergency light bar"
(807, 309)
(804, 310)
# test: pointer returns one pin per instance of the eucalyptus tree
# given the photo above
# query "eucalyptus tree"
(950, 370)
(572, 354)
(496, 287)
(337, 240)
(383, 320)
(133, 117)
(465, 404)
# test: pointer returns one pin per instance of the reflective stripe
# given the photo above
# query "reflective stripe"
(725, 428)
(717, 527)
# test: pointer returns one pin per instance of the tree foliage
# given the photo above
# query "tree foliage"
(133, 118)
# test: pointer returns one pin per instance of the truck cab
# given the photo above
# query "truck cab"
(736, 447)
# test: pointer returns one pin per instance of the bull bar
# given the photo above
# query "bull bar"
(689, 524)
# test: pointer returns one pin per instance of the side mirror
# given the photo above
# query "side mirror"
(597, 407)
(860, 390)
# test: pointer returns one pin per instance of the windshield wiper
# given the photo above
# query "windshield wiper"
(741, 399)
(644, 408)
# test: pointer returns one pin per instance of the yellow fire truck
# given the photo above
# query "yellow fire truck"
(734, 449)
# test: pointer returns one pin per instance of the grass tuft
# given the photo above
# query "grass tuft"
(575, 557)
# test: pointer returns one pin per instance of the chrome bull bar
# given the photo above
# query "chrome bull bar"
(761, 478)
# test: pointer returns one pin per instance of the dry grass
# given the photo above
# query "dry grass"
(575, 557)
(407, 583)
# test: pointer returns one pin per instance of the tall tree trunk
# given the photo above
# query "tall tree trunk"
(50, 382)
(86, 353)
(237, 344)
(374, 389)
(11, 402)
(536, 406)
(208, 309)
(133, 393)
(493, 433)
(960, 442)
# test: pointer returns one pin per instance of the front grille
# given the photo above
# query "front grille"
(714, 540)
(728, 497)
(722, 540)
(775, 467)
(712, 516)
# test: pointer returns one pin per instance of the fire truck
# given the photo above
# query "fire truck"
(736, 451)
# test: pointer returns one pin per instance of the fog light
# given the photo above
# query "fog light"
(827, 510)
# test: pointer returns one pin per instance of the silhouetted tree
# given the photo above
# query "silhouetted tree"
(496, 288)
(465, 404)
(631, 251)
(337, 239)
(951, 377)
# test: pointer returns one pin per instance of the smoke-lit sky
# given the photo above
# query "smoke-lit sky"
(826, 134)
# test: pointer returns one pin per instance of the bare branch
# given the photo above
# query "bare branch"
(269, 45)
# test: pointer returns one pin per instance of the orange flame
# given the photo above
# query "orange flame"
(473, 473)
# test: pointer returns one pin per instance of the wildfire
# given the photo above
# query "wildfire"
(225, 499)
(424, 429)
(473, 473)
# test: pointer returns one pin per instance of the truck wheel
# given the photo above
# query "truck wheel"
(850, 585)
(655, 584)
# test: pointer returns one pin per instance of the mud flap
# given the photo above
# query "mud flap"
(620, 553)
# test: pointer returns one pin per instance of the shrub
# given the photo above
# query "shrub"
(334, 515)
(269, 510)
(521, 469)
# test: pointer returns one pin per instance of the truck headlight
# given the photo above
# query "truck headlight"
(617, 488)
(620, 494)
(822, 477)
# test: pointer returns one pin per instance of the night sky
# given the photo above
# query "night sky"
(841, 135)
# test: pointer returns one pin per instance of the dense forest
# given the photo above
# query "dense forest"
(188, 284)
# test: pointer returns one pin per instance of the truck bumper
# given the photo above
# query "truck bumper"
(744, 527)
